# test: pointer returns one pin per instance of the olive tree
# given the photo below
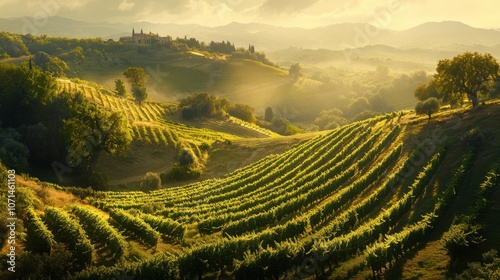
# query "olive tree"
(466, 74)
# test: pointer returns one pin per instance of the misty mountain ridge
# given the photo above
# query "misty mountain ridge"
(269, 37)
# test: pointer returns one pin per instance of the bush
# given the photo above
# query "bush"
(243, 112)
(284, 127)
(180, 173)
(13, 153)
(199, 105)
(461, 236)
(151, 181)
(489, 268)
(187, 157)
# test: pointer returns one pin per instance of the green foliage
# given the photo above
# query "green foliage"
(201, 105)
(167, 227)
(38, 239)
(460, 236)
(426, 91)
(26, 93)
(243, 112)
(92, 131)
(13, 153)
(54, 65)
(140, 94)
(284, 127)
(99, 230)
(467, 73)
(427, 107)
(180, 173)
(251, 54)
(12, 45)
(222, 47)
(120, 87)
(59, 264)
(330, 119)
(489, 268)
(69, 232)
(151, 181)
(136, 226)
(136, 76)
(42, 60)
(368, 114)
(187, 157)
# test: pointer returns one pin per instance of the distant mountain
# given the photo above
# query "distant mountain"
(59, 26)
(269, 37)
(432, 34)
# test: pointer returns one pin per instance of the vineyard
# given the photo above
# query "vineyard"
(151, 122)
(348, 204)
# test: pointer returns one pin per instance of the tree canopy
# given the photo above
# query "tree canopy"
(426, 91)
(140, 93)
(466, 74)
(93, 131)
(427, 107)
(120, 87)
(136, 76)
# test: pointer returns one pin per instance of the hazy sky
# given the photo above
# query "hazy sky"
(394, 14)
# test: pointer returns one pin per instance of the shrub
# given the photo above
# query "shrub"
(243, 112)
(180, 173)
(187, 157)
(151, 181)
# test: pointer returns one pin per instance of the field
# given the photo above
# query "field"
(373, 197)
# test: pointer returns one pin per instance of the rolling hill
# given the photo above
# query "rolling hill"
(158, 131)
(378, 196)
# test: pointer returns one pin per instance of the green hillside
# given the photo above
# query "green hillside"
(378, 196)
(158, 130)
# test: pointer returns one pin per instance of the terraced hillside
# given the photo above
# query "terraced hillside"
(152, 121)
(158, 130)
(363, 199)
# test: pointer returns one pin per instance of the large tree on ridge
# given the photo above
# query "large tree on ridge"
(467, 73)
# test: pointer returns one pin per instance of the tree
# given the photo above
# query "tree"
(295, 70)
(427, 107)
(199, 105)
(13, 153)
(58, 66)
(120, 87)
(151, 181)
(136, 76)
(243, 112)
(42, 60)
(269, 114)
(24, 93)
(140, 94)
(426, 91)
(92, 131)
(468, 73)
